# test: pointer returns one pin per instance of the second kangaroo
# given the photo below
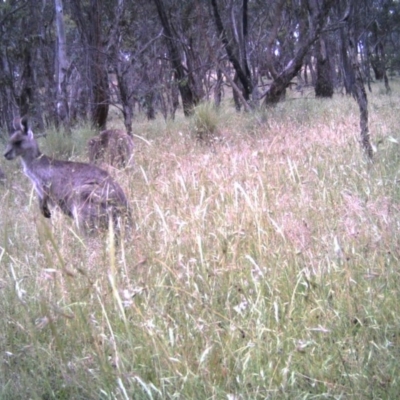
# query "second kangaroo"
(82, 191)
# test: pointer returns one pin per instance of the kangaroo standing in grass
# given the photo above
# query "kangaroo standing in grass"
(112, 146)
(82, 191)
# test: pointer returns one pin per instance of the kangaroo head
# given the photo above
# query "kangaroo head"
(21, 142)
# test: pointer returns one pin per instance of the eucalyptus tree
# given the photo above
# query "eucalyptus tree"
(235, 44)
(289, 30)
(312, 19)
(350, 34)
(90, 18)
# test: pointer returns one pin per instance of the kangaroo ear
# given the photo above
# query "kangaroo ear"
(25, 126)
(17, 124)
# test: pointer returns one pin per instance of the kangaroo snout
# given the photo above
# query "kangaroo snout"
(8, 154)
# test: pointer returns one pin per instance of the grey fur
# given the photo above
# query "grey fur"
(112, 146)
(2, 176)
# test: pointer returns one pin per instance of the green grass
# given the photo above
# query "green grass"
(263, 266)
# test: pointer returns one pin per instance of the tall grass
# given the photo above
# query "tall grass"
(265, 266)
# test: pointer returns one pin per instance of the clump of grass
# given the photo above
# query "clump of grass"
(66, 145)
(205, 121)
(265, 267)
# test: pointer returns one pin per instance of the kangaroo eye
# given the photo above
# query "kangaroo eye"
(18, 143)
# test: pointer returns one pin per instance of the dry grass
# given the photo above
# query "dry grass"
(263, 265)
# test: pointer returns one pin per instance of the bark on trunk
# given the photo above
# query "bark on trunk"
(96, 61)
(218, 89)
(324, 83)
(362, 101)
(240, 65)
(121, 72)
(358, 88)
(98, 68)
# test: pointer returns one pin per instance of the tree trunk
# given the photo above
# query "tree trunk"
(95, 59)
(149, 104)
(27, 94)
(79, 107)
(7, 104)
(25, 97)
(121, 72)
(242, 71)
(324, 84)
(362, 101)
(236, 93)
(189, 98)
(98, 69)
(218, 89)
(62, 110)
(345, 64)
(358, 89)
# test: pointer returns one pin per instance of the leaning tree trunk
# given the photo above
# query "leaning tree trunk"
(189, 97)
(281, 82)
(362, 101)
(232, 48)
(358, 88)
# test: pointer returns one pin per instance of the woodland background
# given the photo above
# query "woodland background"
(65, 61)
(263, 261)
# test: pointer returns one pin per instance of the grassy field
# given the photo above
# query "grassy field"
(263, 266)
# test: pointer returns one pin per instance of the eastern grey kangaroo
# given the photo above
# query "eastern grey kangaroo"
(113, 146)
(82, 191)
